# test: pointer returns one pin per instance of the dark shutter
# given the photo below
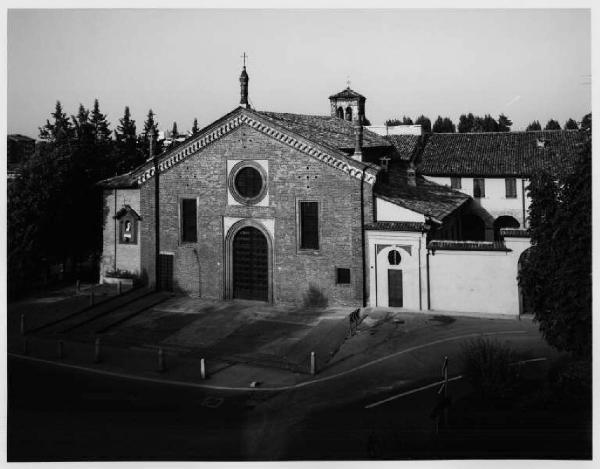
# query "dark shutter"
(188, 223)
(309, 225)
(478, 188)
(511, 188)
(455, 183)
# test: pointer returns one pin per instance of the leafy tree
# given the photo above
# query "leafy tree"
(552, 125)
(424, 122)
(128, 154)
(535, 125)
(61, 130)
(465, 123)
(443, 125)
(504, 123)
(407, 120)
(100, 124)
(195, 128)
(174, 132)
(393, 122)
(571, 125)
(557, 270)
(586, 122)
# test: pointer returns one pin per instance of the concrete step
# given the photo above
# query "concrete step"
(88, 314)
(105, 322)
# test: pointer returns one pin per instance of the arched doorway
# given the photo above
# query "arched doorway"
(250, 264)
(504, 221)
(473, 228)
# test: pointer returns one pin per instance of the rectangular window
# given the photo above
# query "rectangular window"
(343, 276)
(188, 221)
(455, 183)
(478, 188)
(309, 225)
(511, 188)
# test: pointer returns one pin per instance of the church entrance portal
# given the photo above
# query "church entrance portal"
(250, 265)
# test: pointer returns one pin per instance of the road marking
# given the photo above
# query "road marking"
(412, 391)
(433, 385)
(263, 389)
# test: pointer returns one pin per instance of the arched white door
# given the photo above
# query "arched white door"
(397, 278)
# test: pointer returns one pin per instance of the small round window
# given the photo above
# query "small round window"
(394, 257)
(248, 182)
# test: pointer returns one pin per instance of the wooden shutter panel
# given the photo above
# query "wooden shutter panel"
(188, 228)
(309, 225)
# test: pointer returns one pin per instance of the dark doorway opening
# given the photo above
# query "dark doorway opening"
(165, 272)
(250, 265)
(473, 228)
(395, 288)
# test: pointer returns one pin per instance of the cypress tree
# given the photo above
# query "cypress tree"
(100, 124)
(535, 125)
(61, 130)
(552, 125)
(195, 128)
(571, 124)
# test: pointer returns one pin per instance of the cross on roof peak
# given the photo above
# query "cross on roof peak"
(244, 56)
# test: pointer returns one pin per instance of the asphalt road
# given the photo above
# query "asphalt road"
(58, 414)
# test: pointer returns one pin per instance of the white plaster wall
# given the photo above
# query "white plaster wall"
(387, 211)
(484, 282)
(495, 201)
(412, 265)
(116, 255)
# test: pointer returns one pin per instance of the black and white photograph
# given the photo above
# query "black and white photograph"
(298, 233)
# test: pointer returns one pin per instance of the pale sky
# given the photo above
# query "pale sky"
(528, 64)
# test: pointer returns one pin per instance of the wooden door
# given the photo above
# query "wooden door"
(395, 288)
(165, 272)
(250, 265)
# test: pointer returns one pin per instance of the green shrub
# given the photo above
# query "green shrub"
(489, 367)
(315, 298)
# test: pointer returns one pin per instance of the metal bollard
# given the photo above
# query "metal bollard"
(97, 356)
(313, 363)
(60, 349)
(202, 369)
(161, 360)
(25, 347)
(22, 324)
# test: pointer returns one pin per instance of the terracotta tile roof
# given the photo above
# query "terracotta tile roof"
(514, 233)
(499, 154)
(428, 198)
(331, 131)
(443, 245)
(406, 145)
(347, 94)
(395, 226)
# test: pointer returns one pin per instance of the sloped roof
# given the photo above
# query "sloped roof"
(425, 197)
(499, 154)
(347, 94)
(395, 226)
(446, 245)
(122, 181)
(405, 145)
(331, 131)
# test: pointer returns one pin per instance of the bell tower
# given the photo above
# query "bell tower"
(348, 105)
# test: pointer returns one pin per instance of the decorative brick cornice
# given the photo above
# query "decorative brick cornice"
(184, 151)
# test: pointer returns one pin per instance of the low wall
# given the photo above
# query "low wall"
(476, 279)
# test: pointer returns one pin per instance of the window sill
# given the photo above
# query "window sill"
(310, 252)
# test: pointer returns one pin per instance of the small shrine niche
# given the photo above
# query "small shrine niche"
(128, 225)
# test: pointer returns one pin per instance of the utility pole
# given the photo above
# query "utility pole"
(154, 157)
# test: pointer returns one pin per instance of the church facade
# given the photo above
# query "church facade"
(277, 207)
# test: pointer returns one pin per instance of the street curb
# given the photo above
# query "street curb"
(260, 389)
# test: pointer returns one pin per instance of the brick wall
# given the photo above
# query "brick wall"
(199, 267)
(116, 255)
